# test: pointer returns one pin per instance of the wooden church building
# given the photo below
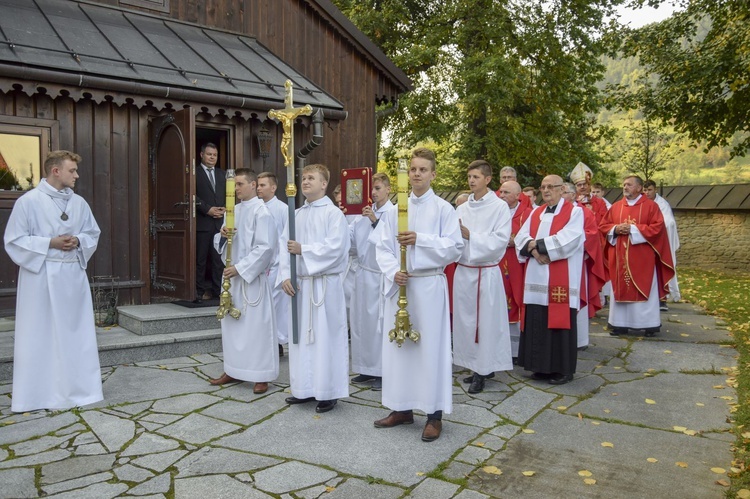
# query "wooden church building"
(136, 86)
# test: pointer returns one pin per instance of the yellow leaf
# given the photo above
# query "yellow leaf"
(26, 414)
(585, 473)
(580, 416)
(719, 387)
(652, 460)
(528, 473)
(649, 401)
(700, 404)
(330, 489)
(479, 444)
(743, 494)
(615, 394)
(589, 481)
(684, 335)
(679, 428)
(746, 434)
(692, 433)
(595, 423)
(608, 444)
(726, 397)
(723, 483)
(617, 368)
(494, 470)
(681, 464)
(527, 430)
(607, 411)
(667, 352)
(317, 416)
(420, 473)
(719, 471)
(561, 407)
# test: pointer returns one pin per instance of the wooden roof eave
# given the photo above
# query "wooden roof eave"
(30, 80)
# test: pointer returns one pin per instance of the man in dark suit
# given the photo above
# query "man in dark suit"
(210, 192)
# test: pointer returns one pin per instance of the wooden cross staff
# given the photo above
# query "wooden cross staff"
(286, 117)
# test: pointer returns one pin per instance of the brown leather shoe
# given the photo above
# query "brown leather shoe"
(223, 380)
(432, 430)
(260, 388)
(394, 419)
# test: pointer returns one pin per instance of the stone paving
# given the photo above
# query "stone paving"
(643, 418)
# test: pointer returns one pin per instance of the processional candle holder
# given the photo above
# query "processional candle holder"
(403, 329)
(225, 298)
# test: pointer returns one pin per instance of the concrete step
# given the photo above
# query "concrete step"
(161, 332)
(165, 318)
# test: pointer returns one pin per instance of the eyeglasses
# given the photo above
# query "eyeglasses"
(549, 187)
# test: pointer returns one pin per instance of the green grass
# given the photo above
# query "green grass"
(728, 296)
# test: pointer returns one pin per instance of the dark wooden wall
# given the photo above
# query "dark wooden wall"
(300, 36)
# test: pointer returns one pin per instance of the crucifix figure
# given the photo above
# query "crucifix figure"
(286, 117)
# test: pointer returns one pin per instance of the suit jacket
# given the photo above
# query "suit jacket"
(206, 198)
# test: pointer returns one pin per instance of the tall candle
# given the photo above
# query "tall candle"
(229, 220)
(403, 195)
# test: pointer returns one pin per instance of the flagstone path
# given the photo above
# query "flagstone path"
(643, 418)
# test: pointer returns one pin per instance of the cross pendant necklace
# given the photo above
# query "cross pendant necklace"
(64, 216)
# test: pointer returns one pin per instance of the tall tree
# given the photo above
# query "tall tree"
(510, 81)
(701, 56)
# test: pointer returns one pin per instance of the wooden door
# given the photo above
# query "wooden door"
(172, 205)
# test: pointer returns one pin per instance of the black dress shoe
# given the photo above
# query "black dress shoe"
(294, 400)
(325, 406)
(560, 379)
(651, 332)
(539, 376)
(469, 379)
(363, 378)
(477, 385)
(198, 301)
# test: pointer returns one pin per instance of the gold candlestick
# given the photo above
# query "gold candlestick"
(225, 298)
(402, 329)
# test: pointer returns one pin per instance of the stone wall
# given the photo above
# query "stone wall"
(714, 239)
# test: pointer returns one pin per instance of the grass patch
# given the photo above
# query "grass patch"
(727, 296)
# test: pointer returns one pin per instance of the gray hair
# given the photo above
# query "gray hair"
(508, 169)
(568, 187)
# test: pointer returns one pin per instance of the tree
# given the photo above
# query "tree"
(512, 82)
(647, 150)
(700, 56)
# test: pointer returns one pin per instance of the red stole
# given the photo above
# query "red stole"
(512, 270)
(558, 288)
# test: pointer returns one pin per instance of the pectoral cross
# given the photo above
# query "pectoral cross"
(286, 117)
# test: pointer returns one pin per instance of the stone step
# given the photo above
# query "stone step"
(161, 332)
(165, 318)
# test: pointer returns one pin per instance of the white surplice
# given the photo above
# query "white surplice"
(250, 342)
(674, 243)
(351, 271)
(319, 363)
(280, 213)
(487, 349)
(56, 360)
(366, 321)
(567, 244)
(419, 375)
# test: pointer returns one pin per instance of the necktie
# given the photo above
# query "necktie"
(211, 178)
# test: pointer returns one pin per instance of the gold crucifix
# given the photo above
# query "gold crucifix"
(287, 116)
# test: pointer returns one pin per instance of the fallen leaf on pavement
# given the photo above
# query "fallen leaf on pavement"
(667, 352)
(528, 473)
(608, 444)
(589, 481)
(743, 494)
(527, 430)
(607, 411)
(719, 471)
(692, 433)
(561, 407)
(649, 401)
(652, 460)
(479, 444)
(700, 404)
(421, 473)
(585, 473)
(722, 482)
(679, 428)
(493, 470)
(595, 423)
(681, 464)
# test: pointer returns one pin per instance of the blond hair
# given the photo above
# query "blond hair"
(270, 176)
(322, 169)
(382, 178)
(56, 158)
(424, 153)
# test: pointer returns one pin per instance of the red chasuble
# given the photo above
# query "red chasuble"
(593, 265)
(631, 266)
(511, 269)
(597, 206)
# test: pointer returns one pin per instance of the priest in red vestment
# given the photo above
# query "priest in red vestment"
(638, 260)
(511, 269)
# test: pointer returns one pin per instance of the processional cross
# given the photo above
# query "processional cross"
(286, 117)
